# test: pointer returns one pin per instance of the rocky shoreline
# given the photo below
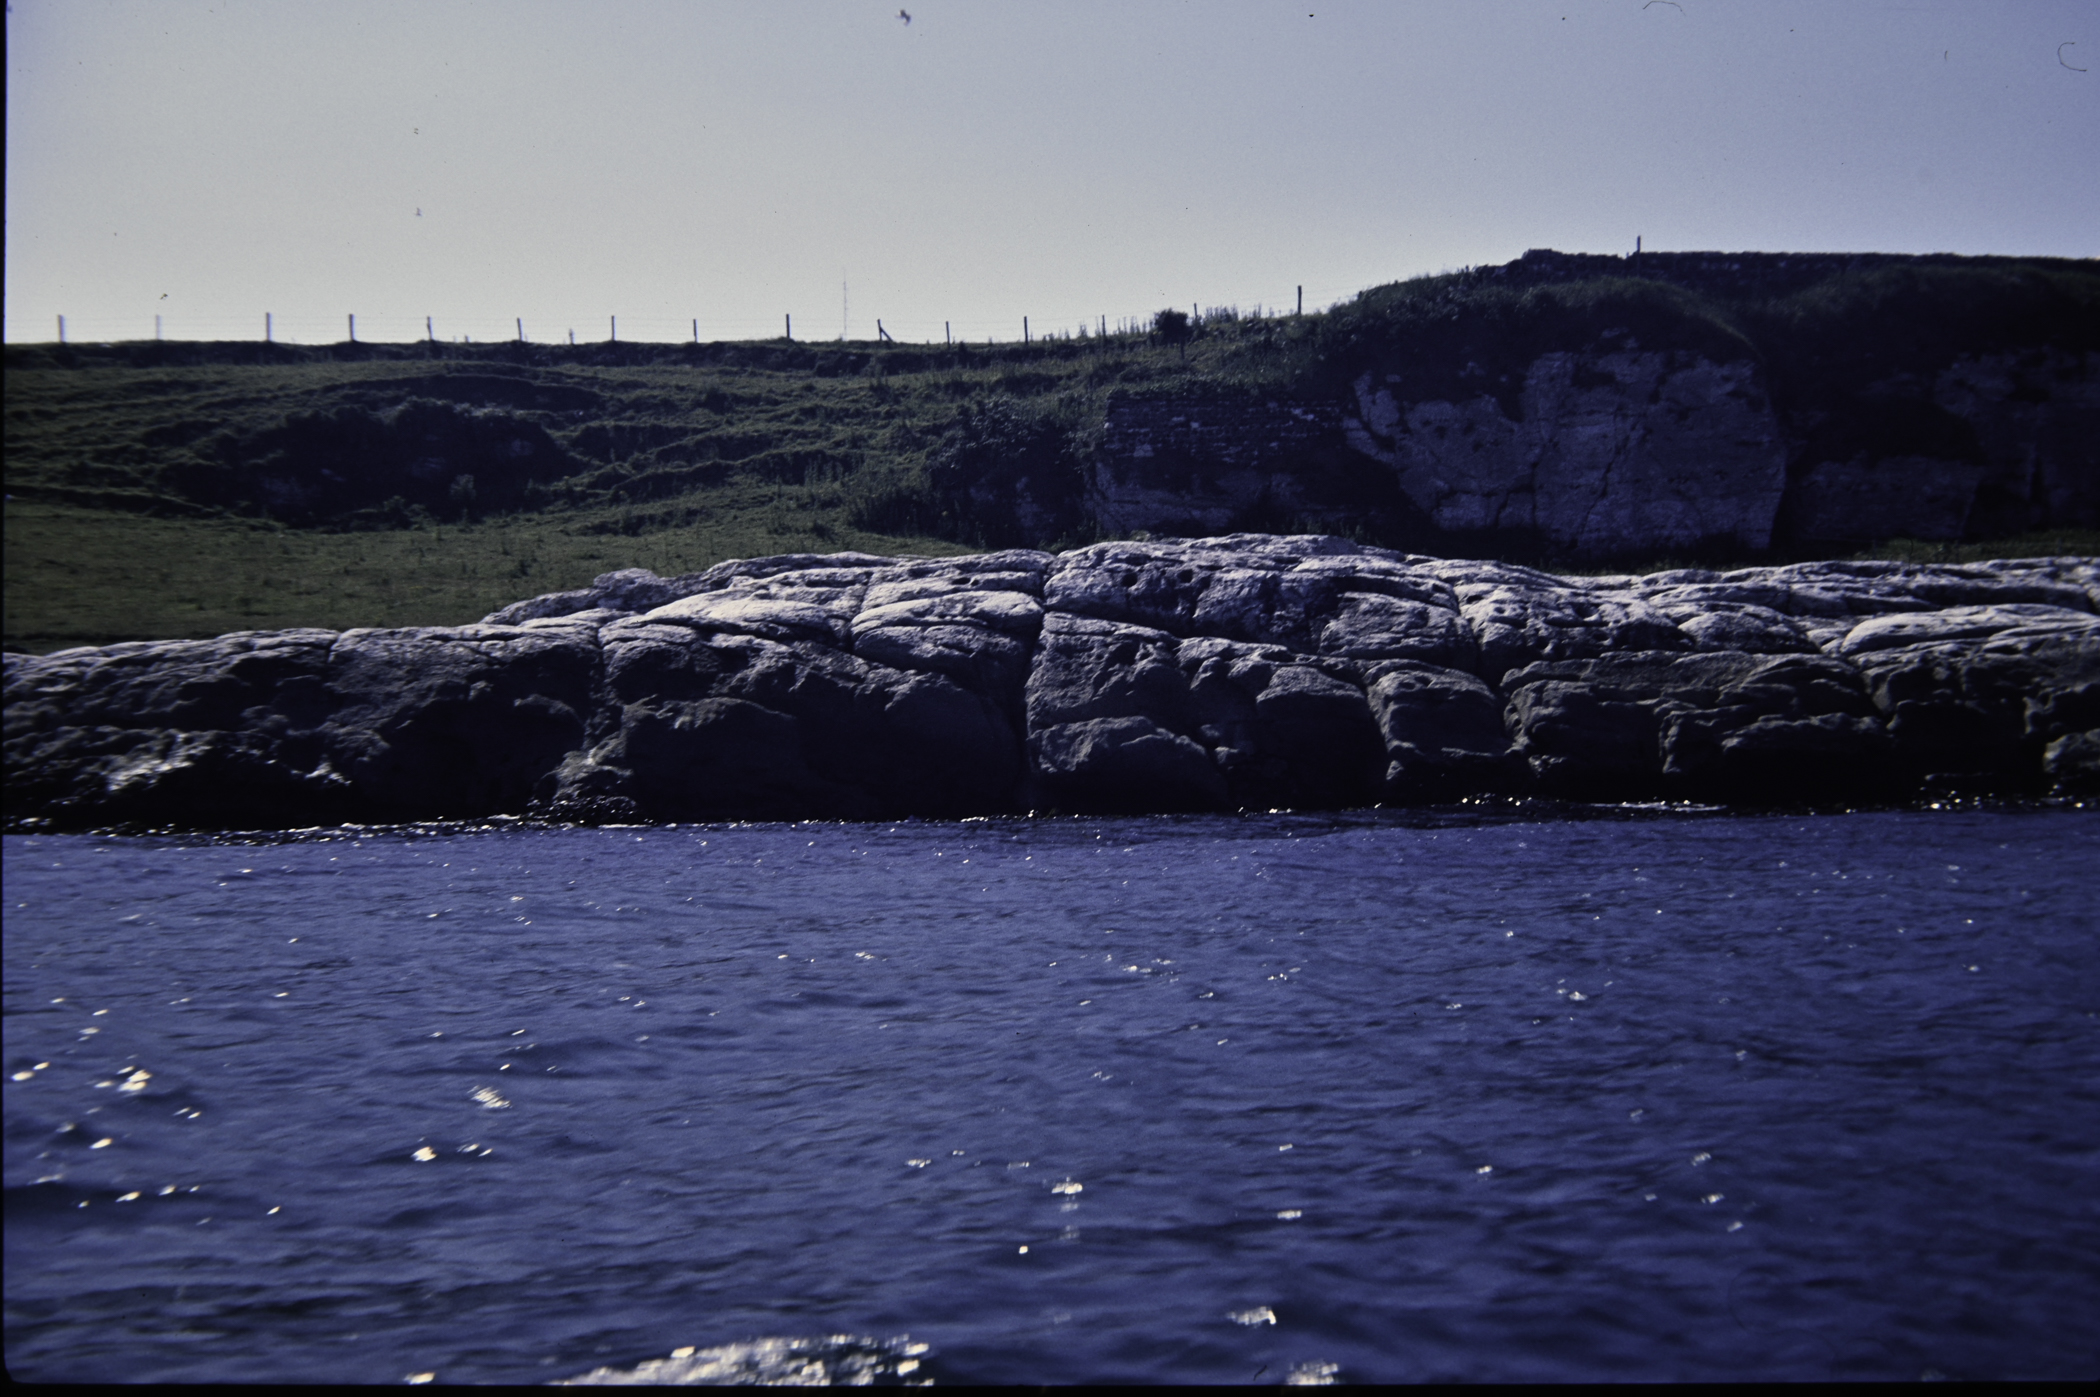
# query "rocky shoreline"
(1247, 671)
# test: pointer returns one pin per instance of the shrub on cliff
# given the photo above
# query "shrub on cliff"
(1836, 342)
(1456, 336)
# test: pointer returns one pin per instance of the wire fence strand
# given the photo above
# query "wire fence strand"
(402, 328)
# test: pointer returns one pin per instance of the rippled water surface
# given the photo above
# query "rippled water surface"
(1215, 1099)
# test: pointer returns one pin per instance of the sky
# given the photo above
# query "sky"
(481, 162)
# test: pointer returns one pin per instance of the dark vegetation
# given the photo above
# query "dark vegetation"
(159, 489)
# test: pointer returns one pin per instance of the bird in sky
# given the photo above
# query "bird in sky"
(904, 15)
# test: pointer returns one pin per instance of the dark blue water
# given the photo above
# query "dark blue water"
(1668, 1097)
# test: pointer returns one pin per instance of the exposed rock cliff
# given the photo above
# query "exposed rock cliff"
(1606, 452)
(2019, 449)
(1695, 402)
(1242, 671)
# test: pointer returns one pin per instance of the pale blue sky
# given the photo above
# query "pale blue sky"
(480, 160)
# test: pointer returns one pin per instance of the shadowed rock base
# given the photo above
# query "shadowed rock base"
(1249, 671)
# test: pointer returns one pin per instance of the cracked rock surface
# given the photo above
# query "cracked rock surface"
(1246, 671)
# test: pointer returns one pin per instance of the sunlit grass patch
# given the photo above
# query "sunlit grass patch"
(90, 577)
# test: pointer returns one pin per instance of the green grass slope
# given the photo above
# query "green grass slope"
(185, 490)
(173, 489)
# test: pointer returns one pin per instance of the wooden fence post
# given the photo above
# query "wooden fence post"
(353, 327)
(156, 327)
(1024, 329)
(1301, 300)
(61, 329)
(429, 333)
(696, 331)
(615, 329)
(269, 333)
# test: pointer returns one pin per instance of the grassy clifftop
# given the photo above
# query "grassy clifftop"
(159, 489)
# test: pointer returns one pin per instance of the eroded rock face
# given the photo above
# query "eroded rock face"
(1714, 725)
(1209, 463)
(1622, 449)
(294, 727)
(2036, 419)
(2001, 443)
(1444, 734)
(1604, 453)
(1244, 671)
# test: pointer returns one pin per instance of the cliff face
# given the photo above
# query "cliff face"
(1605, 453)
(1624, 415)
(1615, 454)
(1590, 455)
(1249, 671)
(1623, 452)
(1219, 462)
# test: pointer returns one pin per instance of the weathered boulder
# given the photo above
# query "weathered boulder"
(1311, 594)
(1974, 697)
(1284, 729)
(1246, 671)
(1110, 720)
(717, 724)
(296, 726)
(1124, 765)
(635, 590)
(2072, 762)
(974, 620)
(1710, 725)
(1523, 623)
(1443, 732)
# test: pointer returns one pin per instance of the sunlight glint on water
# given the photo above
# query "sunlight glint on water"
(1211, 1099)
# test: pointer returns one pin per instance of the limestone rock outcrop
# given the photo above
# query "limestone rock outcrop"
(1603, 452)
(1620, 450)
(1245, 671)
(1692, 404)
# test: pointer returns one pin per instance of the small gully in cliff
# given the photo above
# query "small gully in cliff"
(1248, 671)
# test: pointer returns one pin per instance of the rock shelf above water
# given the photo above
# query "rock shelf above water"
(1247, 671)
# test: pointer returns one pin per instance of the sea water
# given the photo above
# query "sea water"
(1633, 1096)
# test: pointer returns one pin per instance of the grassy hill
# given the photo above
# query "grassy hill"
(174, 489)
(184, 489)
